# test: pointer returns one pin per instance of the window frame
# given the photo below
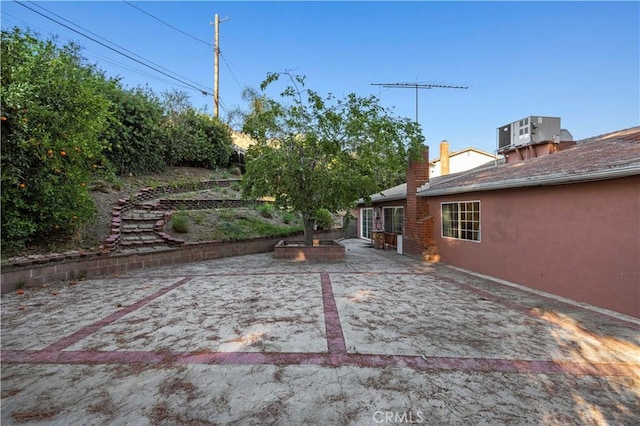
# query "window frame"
(384, 225)
(459, 229)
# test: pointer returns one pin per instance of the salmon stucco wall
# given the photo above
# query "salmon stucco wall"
(580, 241)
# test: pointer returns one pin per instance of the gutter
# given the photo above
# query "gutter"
(544, 181)
(383, 200)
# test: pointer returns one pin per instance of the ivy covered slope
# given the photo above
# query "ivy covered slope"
(65, 125)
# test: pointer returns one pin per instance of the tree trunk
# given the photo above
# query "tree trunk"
(308, 231)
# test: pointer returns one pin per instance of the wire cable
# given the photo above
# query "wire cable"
(89, 53)
(199, 89)
(227, 64)
(116, 45)
(169, 25)
(231, 71)
(190, 36)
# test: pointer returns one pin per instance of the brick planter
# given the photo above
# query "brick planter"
(321, 250)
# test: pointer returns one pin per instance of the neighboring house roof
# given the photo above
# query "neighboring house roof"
(241, 141)
(469, 149)
(607, 156)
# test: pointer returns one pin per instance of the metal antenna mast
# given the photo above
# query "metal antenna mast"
(417, 86)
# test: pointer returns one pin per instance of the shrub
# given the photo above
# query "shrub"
(180, 222)
(53, 112)
(196, 138)
(288, 217)
(324, 219)
(136, 142)
(231, 231)
(266, 210)
(236, 171)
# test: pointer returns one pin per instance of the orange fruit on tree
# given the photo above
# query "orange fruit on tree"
(22, 186)
(64, 154)
(3, 118)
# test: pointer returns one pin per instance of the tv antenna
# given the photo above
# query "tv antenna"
(417, 86)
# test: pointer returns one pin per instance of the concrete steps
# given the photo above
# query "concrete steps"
(143, 229)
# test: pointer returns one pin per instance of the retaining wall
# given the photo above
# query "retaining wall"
(38, 270)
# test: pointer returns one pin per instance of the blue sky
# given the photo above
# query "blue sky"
(576, 60)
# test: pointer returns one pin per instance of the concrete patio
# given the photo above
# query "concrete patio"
(377, 339)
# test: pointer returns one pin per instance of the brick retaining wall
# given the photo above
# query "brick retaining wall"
(152, 193)
(191, 204)
(47, 269)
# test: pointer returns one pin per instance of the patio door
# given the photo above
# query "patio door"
(366, 223)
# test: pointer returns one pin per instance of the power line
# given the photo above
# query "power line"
(199, 89)
(231, 71)
(91, 54)
(118, 46)
(226, 62)
(169, 25)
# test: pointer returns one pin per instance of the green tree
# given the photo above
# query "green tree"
(316, 152)
(136, 140)
(52, 114)
(195, 139)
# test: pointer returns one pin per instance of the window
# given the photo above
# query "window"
(393, 217)
(461, 220)
(366, 223)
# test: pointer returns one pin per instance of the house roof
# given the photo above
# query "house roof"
(398, 192)
(607, 156)
(462, 151)
(241, 141)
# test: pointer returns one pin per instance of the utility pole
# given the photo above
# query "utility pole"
(417, 86)
(216, 68)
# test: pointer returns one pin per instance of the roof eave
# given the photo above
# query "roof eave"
(383, 200)
(544, 181)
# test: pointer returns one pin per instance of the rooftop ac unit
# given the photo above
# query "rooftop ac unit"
(532, 129)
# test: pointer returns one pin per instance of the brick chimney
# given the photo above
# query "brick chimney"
(418, 230)
(444, 158)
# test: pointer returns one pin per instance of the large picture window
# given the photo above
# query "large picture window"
(461, 220)
(366, 223)
(393, 217)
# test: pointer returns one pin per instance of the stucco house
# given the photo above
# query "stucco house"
(561, 217)
(458, 161)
